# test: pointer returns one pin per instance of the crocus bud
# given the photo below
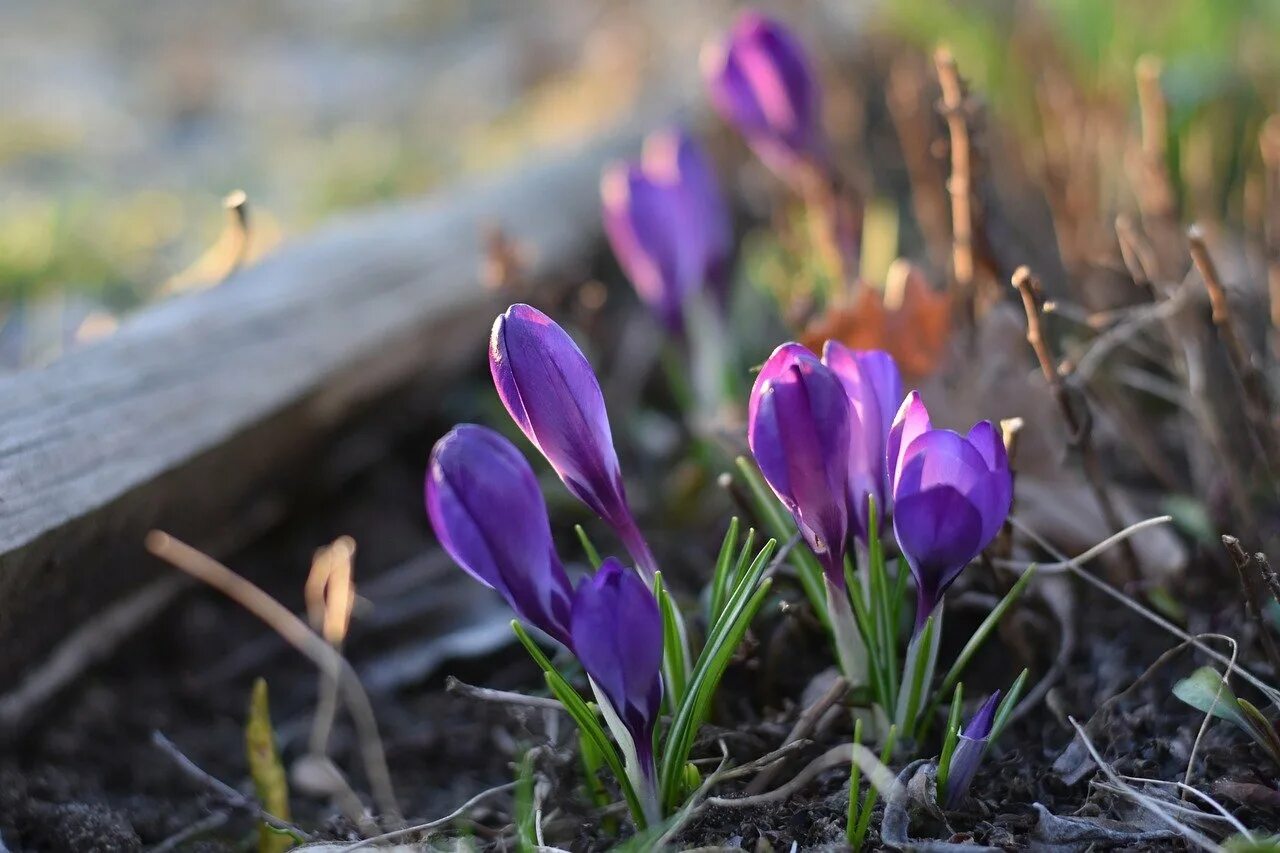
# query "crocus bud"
(874, 387)
(673, 156)
(800, 425)
(553, 395)
(760, 81)
(969, 749)
(617, 636)
(667, 224)
(485, 506)
(951, 495)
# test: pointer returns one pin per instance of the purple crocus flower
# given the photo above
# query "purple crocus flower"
(674, 156)
(760, 81)
(617, 636)
(874, 387)
(969, 750)
(485, 506)
(553, 395)
(800, 425)
(668, 225)
(951, 494)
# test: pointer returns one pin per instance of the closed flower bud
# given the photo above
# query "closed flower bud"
(553, 395)
(800, 425)
(485, 506)
(617, 636)
(761, 82)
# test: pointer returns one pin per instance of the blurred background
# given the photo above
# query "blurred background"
(127, 123)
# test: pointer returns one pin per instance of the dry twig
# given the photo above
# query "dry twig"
(297, 634)
(803, 727)
(1079, 424)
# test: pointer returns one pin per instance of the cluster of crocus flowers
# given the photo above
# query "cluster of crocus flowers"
(822, 436)
(668, 226)
(486, 509)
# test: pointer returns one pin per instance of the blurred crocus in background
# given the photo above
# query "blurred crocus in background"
(617, 636)
(800, 428)
(761, 82)
(668, 225)
(551, 392)
(951, 494)
(874, 387)
(970, 748)
(486, 509)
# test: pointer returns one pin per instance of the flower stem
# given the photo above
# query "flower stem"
(850, 648)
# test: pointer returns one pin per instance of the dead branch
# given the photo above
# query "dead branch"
(225, 792)
(803, 727)
(1253, 605)
(1257, 403)
(1079, 424)
(297, 634)
(960, 182)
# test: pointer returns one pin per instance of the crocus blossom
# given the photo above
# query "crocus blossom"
(951, 494)
(617, 636)
(969, 750)
(760, 81)
(552, 394)
(667, 224)
(799, 427)
(485, 506)
(874, 387)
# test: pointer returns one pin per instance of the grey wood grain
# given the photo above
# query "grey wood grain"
(182, 417)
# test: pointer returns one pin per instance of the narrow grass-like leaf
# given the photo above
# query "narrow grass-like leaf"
(919, 661)
(586, 719)
(722, 640)
(720, 577)
(977, 639)
(1006, 706)
(672, 647)
(526, 834)
(265, 768)
(745, 553)
(951, 737)
(782, 527)
(879, 680)
(593, 556)
(855, 779)
(1263, 730)
(869, 802)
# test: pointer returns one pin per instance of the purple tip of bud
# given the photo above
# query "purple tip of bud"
(553, 395)
(760, 80)
(951, 494)
(874, 387)
(617, 635)
(800, 427)
(485, 506)
(969, 750)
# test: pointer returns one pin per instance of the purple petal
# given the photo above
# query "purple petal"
(967, 757)
(650, 226)
(874, 387)
(617, 635)
(941, 457)
(486, 509)
(673, 157)
(760, 81)
(778, 362)
(911, 421)
(939, 532)
(552, 393)
(986, 440)
(800, 436)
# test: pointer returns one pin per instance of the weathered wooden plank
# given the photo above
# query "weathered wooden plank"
(183, 416)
